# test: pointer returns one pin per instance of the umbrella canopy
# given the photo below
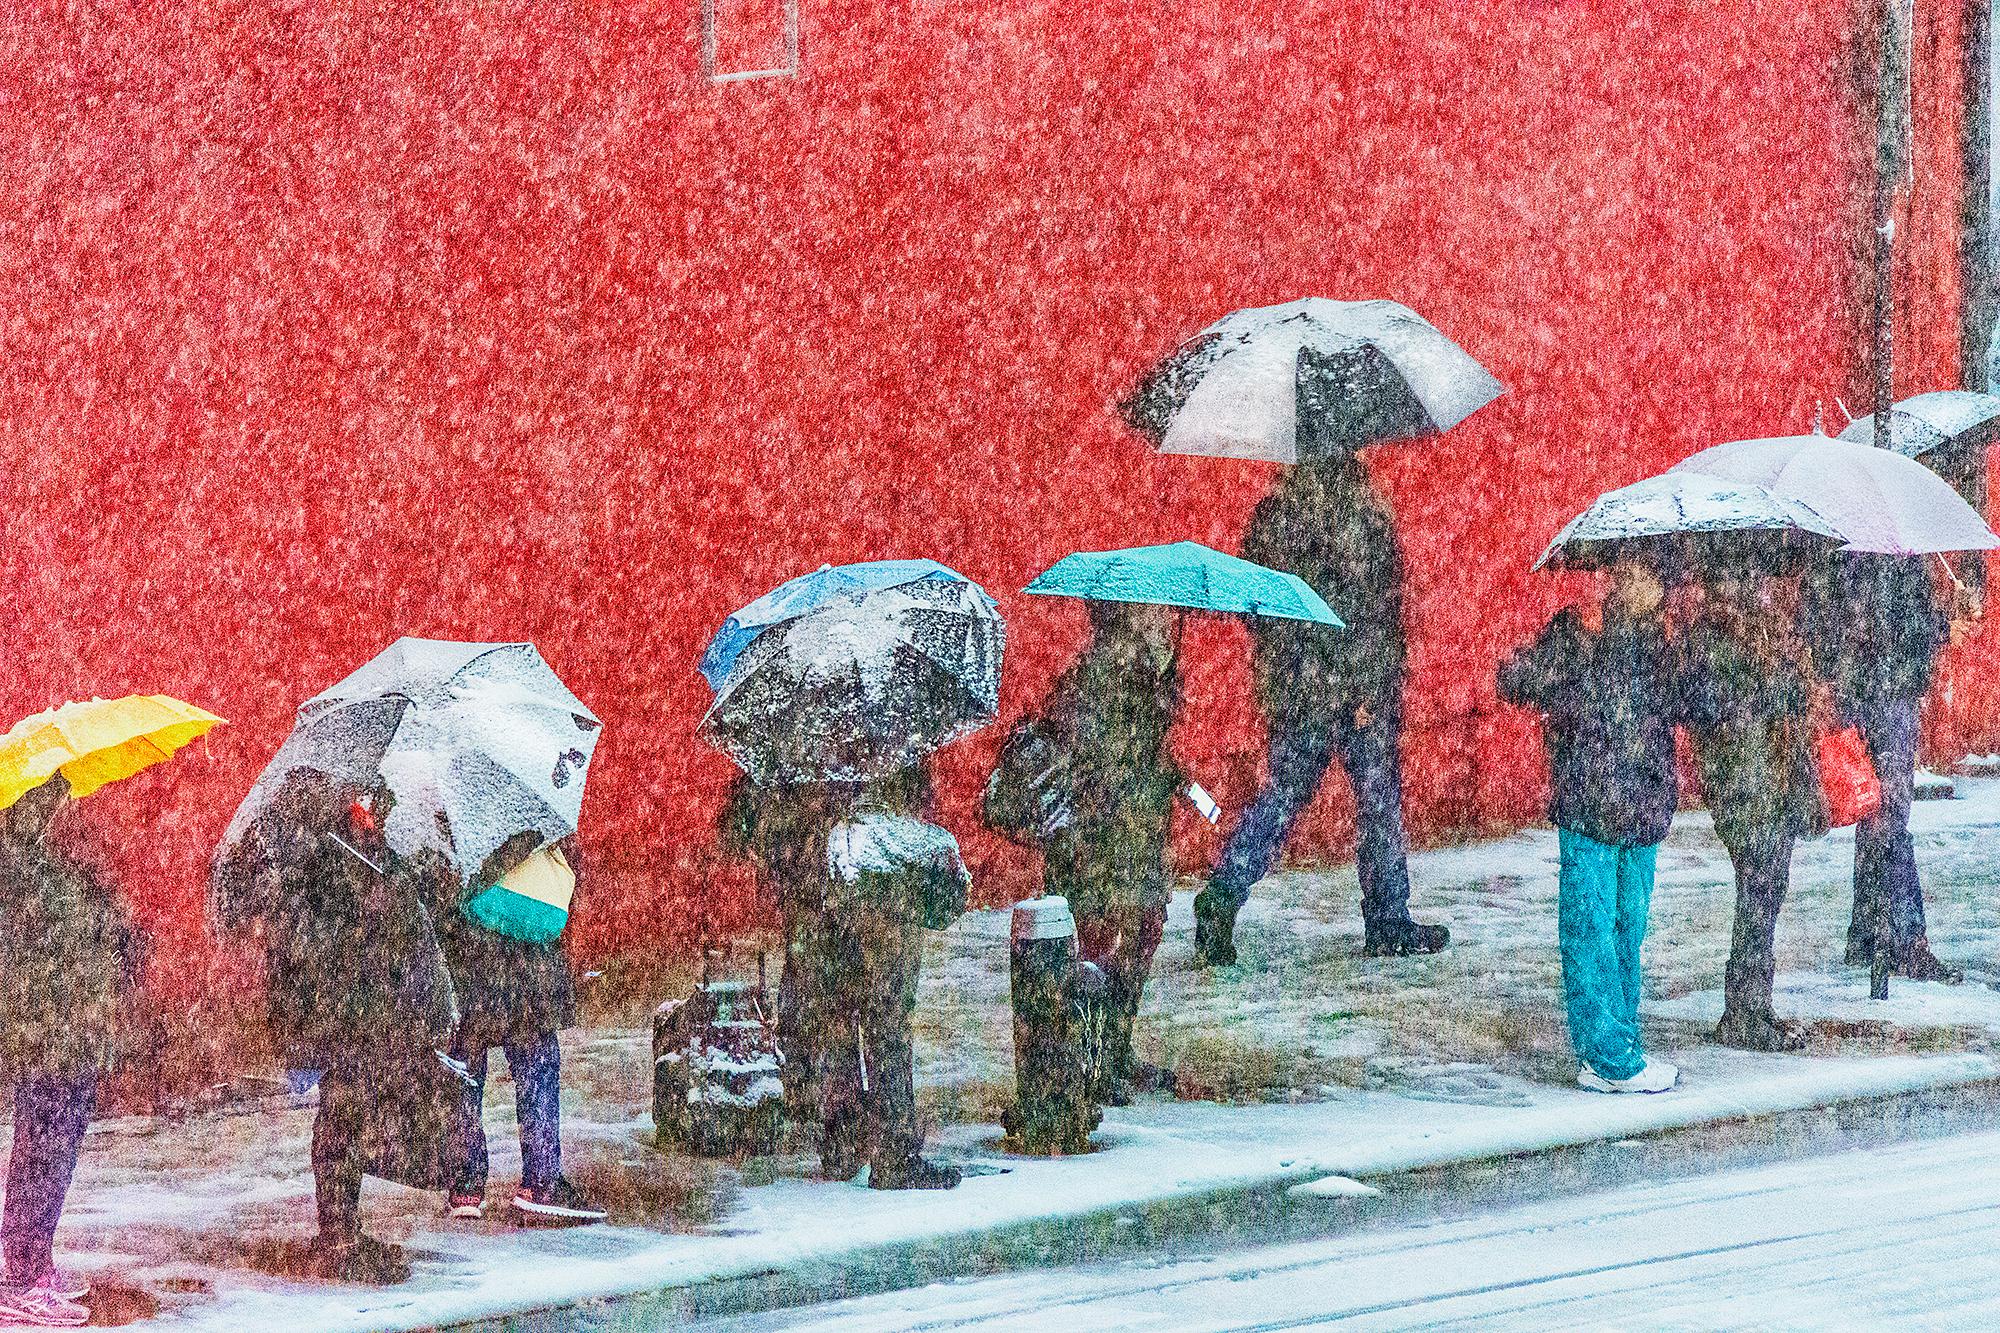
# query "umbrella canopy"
(1929, 421)
(1665, 517)
(1185, 574)
(866, 681)
(807, 593)
(1286, 382)
(1880, 501)
(96, 742)
(478, 743)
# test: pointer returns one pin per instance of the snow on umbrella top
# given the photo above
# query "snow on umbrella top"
(478, 742)
(1673, 505)
(1314, 376)
(807, 593)
(1880, 501)
(1184, 574)
(1928, 421)
(864, 683)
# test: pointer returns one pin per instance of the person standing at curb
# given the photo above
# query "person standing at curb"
(516, 994)
(1327, 694)
(1746, 694)
(67, 957)
(1876, 631)
(1604, 680)
(1113, 710)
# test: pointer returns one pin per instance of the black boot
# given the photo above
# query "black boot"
(1398, 938)
(1214, 930)
(358, 1258)
(1916, 961)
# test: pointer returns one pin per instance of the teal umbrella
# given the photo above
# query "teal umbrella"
(1185, 574)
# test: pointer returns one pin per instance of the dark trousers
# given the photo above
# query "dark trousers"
(537, 1068)
(1885, 856)
(861, 1013)
(1763, 861)
(1300, 754)
(51, 1113)
(337, 1152)
(798, 986)
(1121, 941)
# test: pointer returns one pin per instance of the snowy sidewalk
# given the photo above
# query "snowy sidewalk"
(1344, 1066)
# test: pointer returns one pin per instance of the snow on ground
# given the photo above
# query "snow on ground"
(1332, 1063)
(1899, 1237)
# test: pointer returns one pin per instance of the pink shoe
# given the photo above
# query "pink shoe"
(39, 1306)
(69, 1286)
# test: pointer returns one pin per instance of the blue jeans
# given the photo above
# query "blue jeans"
(1602, 899)
(1885, 856)
(1300, 754)
(50, 1115)
(537, 1070)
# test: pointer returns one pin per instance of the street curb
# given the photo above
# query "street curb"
(1243, 1208)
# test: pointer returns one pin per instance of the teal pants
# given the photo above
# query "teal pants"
(1602, 899)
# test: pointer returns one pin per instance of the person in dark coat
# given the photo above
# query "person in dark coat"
(67, 957)
(517, 995)
(889, 876)
(1608, 694)
(1746, 693)
(781, 829)
(357, 991)
(1876, 630)
(1112, 711)
(1327, 694)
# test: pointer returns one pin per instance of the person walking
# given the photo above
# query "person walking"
(359, 993)
(1111, 713)
(67, 959)
(890, 875)
(1603, 678)
(1875, 629)
(1746, 695)
(1327, 695)
(515, 994)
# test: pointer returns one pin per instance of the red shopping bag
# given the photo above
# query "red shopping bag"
(1848, 777)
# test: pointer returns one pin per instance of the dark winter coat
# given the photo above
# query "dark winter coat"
(1873, 626)
(508, 990)
(1611, 706)
(1747, 710)
(352, 962)
(67, 958)
(1328, 526)
(1113, 721)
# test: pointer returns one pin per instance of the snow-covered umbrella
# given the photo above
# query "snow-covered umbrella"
(478, 742)
(1310, 377)
(1880, 501)
(1667, 518)
(1930, 421)
(858, 679)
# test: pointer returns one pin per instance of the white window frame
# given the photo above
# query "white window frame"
(710, 42)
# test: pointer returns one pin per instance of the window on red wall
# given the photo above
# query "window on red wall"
(749, 39)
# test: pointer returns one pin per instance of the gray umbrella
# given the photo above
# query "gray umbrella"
(478, 742)
(864, 685)
(1677, 515)
(1930, 421)
(1314, 376)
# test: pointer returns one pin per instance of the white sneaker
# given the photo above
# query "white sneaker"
(1657, 1076)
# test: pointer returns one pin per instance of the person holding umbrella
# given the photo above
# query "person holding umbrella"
(1110, 715)
(830, 692)
(68, 959)
(1309, 384)
(1604, 680)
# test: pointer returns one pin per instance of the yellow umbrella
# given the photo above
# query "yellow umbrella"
(96, 742)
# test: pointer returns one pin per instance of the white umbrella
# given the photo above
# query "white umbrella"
(1676, 505)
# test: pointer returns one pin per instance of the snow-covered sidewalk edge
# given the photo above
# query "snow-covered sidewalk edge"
(775, 1271)
(1546, 1128)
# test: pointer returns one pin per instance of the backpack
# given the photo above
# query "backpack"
(897, 862)
(1027, 798)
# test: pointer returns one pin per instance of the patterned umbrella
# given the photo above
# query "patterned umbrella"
(1311, 377)
(857, 680)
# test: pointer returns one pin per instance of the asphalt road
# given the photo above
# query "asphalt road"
(1904, 1236)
